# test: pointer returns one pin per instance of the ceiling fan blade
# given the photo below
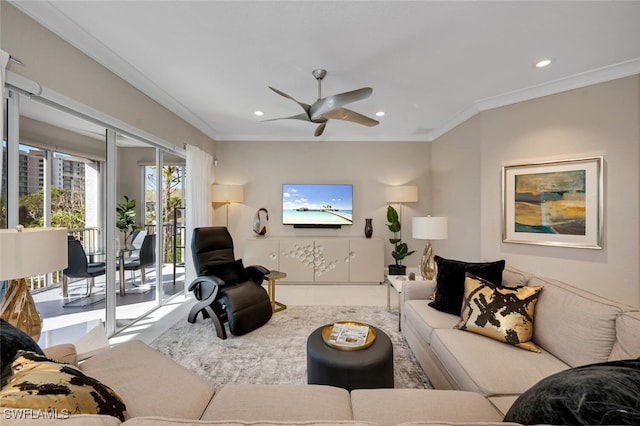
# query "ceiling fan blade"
(303, 117)
(304, 106)
(349, 115)
(321, 106)
(320, 129)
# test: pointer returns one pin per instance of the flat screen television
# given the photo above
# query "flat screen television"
(317, 205)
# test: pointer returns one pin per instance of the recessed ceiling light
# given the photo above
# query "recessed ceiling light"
(258, 113)
(379, 113)
(543, 63)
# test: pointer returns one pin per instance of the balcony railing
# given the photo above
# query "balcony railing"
(91, 240)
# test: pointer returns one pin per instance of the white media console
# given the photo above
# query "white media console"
(319, 260)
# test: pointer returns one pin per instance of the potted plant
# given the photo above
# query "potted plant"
(126, 221)
(400, 249)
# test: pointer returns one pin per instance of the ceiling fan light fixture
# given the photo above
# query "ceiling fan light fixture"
(380, 114)
(258, 113)
(330, 107)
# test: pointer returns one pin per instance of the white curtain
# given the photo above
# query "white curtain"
(4, 59)
(198, 199)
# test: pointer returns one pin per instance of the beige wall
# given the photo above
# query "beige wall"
(55, 64)
(602, 119)
(456, 190)
(262, 167)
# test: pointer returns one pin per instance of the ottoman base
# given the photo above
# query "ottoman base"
(368, 368)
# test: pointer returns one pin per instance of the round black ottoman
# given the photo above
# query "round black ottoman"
(368, 368)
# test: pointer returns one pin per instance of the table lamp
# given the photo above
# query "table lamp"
(428, 228)
(227, 194)
(26, 252)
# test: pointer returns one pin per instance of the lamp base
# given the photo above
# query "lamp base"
(19, 309)
(428, 267)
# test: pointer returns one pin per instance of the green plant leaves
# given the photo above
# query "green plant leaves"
(400, 249)
(126, 221)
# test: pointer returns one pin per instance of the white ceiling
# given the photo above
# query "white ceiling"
(432, 64)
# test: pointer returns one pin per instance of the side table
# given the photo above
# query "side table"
(397, 281)
(271, 278)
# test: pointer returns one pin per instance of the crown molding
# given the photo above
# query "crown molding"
(577, 81)
(47, 15)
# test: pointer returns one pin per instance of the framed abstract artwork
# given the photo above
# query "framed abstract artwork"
(555, 203)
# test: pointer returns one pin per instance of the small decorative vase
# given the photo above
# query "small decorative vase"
(368, 228)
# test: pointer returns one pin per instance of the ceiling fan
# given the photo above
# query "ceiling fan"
(331, 107)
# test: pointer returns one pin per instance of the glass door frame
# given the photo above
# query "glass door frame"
(17, 87)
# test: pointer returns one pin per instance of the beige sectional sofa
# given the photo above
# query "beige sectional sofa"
(476, 378)
(157, 391)
(571, 326)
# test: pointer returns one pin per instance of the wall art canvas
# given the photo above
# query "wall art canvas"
(555, 203)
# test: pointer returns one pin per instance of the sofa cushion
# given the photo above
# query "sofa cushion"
(34, 381)
(230, 273)
(445, 423)
(597, 394)
(489, 367)
(627, 337)
(12, 340)
(149, 382)
(30, 417)
(65, 353)
(450, 281)
(279, 403)
(503, 314)
(153, 421)
(591, 332)
(393, 406)
(503, 402)
(513, 277)
(426, 319)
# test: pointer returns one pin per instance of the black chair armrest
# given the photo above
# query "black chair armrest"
(256, 273)
(205, 287)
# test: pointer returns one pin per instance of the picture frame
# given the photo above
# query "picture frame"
(554, 203)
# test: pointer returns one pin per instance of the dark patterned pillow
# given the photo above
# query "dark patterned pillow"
(36, 382)
(450, 281)
(501, 313)
(13, 340)
(606, 393)
(231, 272)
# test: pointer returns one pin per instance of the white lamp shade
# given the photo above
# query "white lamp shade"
(227, 194)
(34, 251)
(429, 228)
(402, 194)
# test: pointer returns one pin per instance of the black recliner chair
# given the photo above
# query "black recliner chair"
(227, 291)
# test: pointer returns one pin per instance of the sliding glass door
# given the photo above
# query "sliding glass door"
(64, 168)
(52, 163)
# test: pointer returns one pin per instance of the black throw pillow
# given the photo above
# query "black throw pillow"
(606, 393)
(450, 281)
(13, 340)
(230, 273)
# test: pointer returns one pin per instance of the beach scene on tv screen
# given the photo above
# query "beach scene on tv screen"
(317, 204)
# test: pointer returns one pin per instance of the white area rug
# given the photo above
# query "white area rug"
(276, 352)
